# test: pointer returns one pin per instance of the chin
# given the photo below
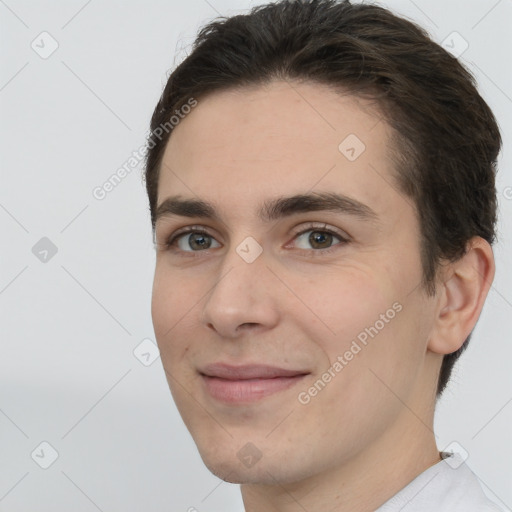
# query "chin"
(228, 467)
(235, 474)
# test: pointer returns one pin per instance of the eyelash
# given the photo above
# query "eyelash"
(170, 243)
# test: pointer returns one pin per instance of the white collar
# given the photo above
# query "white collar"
(448, 486)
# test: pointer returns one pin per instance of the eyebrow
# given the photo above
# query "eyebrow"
(272, 209)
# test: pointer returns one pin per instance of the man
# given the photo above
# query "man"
(323, 212)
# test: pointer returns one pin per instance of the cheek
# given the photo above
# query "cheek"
(382, 357)
(175, 294)
(172, 308)
(343, 302)
(372, 380)
(162, 312)
(370, 323)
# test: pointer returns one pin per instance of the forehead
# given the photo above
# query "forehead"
(239, 147)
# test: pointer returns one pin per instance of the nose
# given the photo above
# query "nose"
(243, 298)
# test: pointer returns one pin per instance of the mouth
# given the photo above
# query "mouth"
(248, 383)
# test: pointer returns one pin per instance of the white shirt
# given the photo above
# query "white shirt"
(448, 486)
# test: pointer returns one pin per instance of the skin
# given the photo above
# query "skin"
(369, 431)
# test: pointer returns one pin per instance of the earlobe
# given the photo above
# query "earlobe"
(462, 295)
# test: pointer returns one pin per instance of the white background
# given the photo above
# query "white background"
(69, 326)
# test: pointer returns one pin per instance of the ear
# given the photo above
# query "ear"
(462, 294)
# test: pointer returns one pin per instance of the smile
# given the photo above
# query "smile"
(247, 390)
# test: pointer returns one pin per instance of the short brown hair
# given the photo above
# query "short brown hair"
(446, 138)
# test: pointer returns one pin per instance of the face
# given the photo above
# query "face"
(322, 288)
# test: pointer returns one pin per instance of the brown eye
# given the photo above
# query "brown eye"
(318, 239)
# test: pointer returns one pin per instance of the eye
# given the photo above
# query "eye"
(318, 238)
(192, 240)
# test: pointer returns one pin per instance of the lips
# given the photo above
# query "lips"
(248, 383)
(246, 372)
